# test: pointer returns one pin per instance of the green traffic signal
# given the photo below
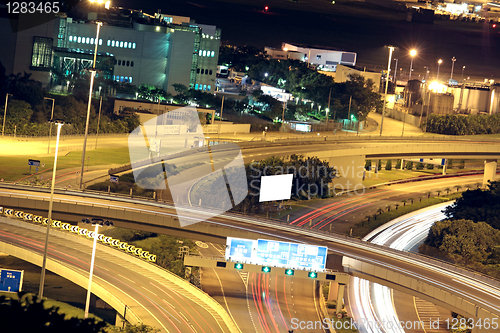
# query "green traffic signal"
(238, 266)
(266, 269)
(312, 275)
(289, 272)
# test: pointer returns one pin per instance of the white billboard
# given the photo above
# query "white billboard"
(278, 187)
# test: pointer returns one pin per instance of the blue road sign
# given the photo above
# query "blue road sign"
(239, 248)
(273, 252)
(10, 280)
(307, 256)
(114, 179)
(34, 162)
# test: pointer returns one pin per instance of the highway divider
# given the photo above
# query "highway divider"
(56, 224)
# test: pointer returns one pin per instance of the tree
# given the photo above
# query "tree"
(388, 208)
(411, 199)
(388, 165)
(379, 166)
(430, 166)
(450, 164)
(27, 314)
(409, 165)
(368, 165)
(447, 190)
(420, 166)
(404, 202)
(458, 187)
(380, 211)
(461, 164)
(396, 205)
(438, 192)
(367, 218)
(140, 328)
(398, 165)
(428, 194)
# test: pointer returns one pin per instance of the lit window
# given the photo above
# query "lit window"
(109, 42)
(129, 45)
(204, 87)
(79, 39)
(92, 40)
(213, 54)
(100, 41)
(204, 53)
(133, 45)
(121, 78)
(41, 56)
(126, 79)
(196, 86)
(125, 45)
(131, 79)
(121, 44)
(211, 37)
(201, 53)
(114, 77)
(113, 43)
(209, 88)
(70, 38)
(87, 40)
(157, 28)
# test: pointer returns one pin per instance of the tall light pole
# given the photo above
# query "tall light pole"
(391, 49)
(452, 66)
(395, 74)
(92, 74)
(98, 123)
(97, 222)
(49, 220)
(439, 64)
(50, 126)
(462, 80)
(413, 53)
(5, 112)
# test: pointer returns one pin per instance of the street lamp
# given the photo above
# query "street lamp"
(439, 64)
(463, 74)
(49, 220)
(452, 66)
(391, 49)
(51, 117)
(97, 222)
(5, 112)
(413, 53)
(395, 74)
(92, 74)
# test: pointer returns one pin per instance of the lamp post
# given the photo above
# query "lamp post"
(97, 222)
(98, 123)
(413, 53)
(92, 74)
(50, 126)
(462, 80)
(395, 74)
(5, 112)
(452, 66)
(439, 64)
(49, 220)
(391, 49)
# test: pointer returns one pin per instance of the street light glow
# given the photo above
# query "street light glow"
(440, 61)
(413, 52)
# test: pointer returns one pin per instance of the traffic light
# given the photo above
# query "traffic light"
(266, 8)
(312, 275)
(266, 269)
(353, 117)
(238, 266)
(289, 271)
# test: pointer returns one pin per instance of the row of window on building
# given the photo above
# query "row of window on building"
(124, 63)
(84, 40)
(204, 71)
(122, 44)
(124, 79)
(205, 53)
(202, 87)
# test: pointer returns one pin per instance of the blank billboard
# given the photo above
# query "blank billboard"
(278, 187)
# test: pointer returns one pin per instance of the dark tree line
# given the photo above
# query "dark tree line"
(463, 125)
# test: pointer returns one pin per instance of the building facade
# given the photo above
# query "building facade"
(133, 47)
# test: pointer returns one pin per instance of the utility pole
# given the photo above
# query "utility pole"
(349, 114)
(98, 122)
(221, 110)
(391, 48)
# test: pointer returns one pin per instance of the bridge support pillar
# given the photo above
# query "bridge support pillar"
(333, 292)
(490, 169)
(336, 292)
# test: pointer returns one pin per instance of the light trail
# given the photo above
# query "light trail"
(374, 301)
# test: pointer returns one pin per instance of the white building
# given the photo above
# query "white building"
(133, 47)
(325, 58)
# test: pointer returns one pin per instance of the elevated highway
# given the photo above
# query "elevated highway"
(461, 291)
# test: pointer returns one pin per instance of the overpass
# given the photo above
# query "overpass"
(465, 292)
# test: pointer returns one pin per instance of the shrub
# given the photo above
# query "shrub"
(398, 165)
(368, 165)
(430, 166)
(420, 166)
(409, 165)
(388, 165)
(461, 164)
